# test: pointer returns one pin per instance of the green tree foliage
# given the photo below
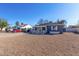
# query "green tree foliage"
(3, 23)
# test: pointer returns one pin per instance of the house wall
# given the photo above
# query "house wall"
(40, 29)
(60, 28)
(54, 27)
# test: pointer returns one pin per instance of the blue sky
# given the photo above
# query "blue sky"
(31, 13)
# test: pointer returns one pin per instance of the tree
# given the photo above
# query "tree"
(22, 23)
(17, 23)
(3, 23)
(58, 21)
(45, 21)
(61, 21)
(40, 21)
(50, 22)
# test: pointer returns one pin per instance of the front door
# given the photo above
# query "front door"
(48, 29)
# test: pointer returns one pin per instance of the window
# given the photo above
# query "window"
(35, 28)
(54, 27)
(43, 28)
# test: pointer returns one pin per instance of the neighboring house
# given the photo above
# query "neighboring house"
(73, 28)
(4, 29)
(70, 28)
(25, 26)
(19, 28)
(48, 28)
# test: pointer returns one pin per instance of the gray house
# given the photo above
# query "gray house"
(48, 28)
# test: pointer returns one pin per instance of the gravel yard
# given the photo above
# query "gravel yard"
(23, 44)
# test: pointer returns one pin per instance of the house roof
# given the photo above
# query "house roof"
(23, 25)
(49, 24)
(73, 26)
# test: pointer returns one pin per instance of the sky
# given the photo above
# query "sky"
(30, 13)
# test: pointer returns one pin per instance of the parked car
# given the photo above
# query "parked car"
(17, 30)
(9, 29)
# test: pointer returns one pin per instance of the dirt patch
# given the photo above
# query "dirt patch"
(43, 45)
